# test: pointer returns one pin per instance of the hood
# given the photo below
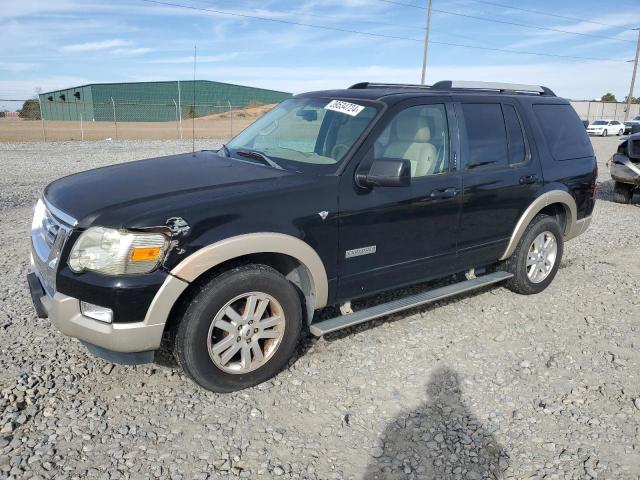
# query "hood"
(152, 183)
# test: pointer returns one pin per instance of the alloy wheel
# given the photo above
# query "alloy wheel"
(541, 257)
(246, 332)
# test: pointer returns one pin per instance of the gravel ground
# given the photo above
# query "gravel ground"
(489, 385)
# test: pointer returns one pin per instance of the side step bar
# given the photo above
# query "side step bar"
(361, 316)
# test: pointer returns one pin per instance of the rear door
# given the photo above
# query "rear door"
(500, 174)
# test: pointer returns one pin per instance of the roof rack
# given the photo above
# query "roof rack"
(492, 86)
(364, 85)
(465, 85)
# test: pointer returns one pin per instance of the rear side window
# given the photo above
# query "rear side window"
(517, 149)
(564, 132)
(486, 135)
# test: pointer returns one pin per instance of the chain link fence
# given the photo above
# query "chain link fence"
(592, 110)
(30, 120)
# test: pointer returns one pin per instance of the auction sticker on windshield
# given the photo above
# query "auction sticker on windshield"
(344, 107)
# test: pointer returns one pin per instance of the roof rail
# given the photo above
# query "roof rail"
(494, 86)
(364, 85)
(464, 85)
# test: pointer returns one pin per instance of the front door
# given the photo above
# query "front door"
(393, 236)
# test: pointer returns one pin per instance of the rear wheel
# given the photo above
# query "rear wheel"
(620, 132)
(535, 262)
(622, 192)
(240, 329)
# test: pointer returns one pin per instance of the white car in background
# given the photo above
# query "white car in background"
(605, 127)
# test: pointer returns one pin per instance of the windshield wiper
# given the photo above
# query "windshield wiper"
(258, 156)
(225, 150)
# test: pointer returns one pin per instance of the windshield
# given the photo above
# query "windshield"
(311, 133)
(599, 122)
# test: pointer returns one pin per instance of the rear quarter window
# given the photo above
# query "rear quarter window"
(564, 132)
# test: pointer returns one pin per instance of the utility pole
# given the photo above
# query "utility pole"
(426, 44)
(633, 78)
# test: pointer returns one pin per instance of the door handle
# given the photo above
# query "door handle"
(446, 193)
(528, 179)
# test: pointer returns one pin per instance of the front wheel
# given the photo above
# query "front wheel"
(605, 133)
(535, 262)
(239, 329)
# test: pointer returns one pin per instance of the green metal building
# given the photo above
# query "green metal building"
(151, 101)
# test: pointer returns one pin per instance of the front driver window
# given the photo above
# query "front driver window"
(419, 134)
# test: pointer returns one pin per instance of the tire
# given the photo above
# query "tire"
(620, 133)
(605, 133)
(198, 335)
(622, 192)
(521, 282)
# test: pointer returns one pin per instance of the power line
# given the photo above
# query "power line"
(548, 14)
(372, 34)
(372, 22)
(360, 20)
(506, 22)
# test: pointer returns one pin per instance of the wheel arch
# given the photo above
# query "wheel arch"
(558, 203)
(292, 257)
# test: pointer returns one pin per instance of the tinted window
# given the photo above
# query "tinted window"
(517, 149)
(419, 134)
(486, 135)
(563, 131)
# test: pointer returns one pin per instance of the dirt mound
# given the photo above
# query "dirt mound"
(249, 112)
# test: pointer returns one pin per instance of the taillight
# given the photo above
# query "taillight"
(594, 185)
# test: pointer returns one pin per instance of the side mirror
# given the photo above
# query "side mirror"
(386, 172)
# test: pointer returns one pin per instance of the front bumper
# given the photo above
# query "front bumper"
(623, 170)
(124, 338)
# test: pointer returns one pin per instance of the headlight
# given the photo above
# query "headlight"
(39, 212)
(115, 252)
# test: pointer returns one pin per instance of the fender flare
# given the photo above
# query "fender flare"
(190, 268)
(262, 242)
(573, 227)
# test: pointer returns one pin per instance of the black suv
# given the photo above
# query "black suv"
(329, 197)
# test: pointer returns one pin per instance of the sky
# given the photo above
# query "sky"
(52, 44)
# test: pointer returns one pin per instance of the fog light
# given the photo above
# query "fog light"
(96, 312)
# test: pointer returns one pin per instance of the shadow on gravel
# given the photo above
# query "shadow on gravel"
(605, 193)
(440, 440)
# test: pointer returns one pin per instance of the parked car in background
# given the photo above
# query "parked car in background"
(624, 167)
(628, 125)
(605, 127)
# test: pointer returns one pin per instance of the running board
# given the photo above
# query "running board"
(361, 316)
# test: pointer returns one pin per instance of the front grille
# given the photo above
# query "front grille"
(48, 236)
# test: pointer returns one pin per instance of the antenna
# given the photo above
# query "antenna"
(193, 116)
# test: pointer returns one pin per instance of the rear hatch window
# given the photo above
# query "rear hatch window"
(564, 132)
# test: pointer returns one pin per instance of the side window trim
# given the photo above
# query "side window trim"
(527, 155)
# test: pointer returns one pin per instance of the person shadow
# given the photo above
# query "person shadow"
(441, 439)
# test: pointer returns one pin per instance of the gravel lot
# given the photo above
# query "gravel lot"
(489, 385)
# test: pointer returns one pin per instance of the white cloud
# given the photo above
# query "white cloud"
(16, 67)
(576, 80)
(200, 59)
(127, 52)
(95, 46)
